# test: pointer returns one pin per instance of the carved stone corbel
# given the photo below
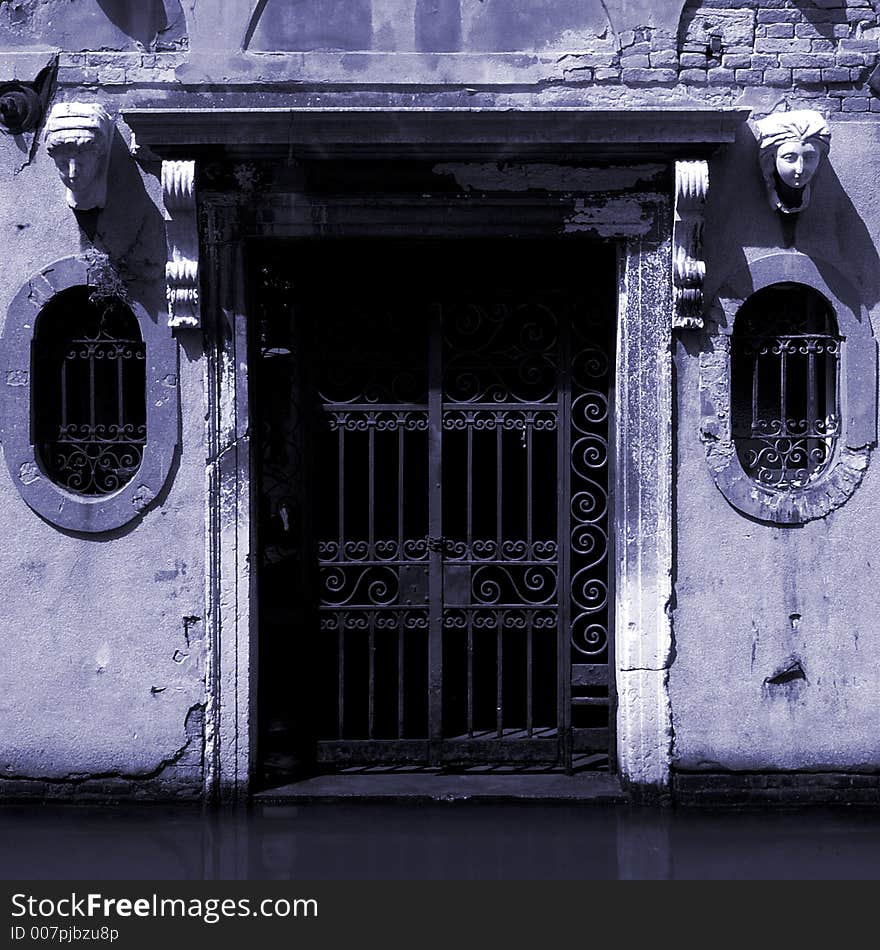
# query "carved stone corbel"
(182, 235)
(688, 266)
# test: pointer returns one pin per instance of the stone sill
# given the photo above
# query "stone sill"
(433, 786)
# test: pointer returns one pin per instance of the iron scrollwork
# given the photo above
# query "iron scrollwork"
(589, 499)
(92, 441)
(439, 439)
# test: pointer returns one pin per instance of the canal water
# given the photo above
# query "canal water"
(435, 841)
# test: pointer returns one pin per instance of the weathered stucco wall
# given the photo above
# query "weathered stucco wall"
(102, 658)
(102, 665)
(93, 24)
(751, 598)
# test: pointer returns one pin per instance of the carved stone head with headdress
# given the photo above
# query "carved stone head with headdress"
(792, 147)
(78, 137)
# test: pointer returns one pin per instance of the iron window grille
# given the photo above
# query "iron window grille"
(89, 392)
(785, 368)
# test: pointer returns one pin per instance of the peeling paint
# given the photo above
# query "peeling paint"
(142, 497)
(493, 176)
(191, 751)
(189, 625)
(179, 570)
(618, 216)
(29, 472)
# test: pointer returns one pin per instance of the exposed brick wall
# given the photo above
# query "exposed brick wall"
(811, 53)
(753, 788)
(822, 50)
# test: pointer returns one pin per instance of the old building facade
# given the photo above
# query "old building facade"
(439, 383)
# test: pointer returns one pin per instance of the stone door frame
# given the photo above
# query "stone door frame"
(642, 491)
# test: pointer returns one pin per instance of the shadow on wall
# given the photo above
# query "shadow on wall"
(155, 24)
(436, 25)
(130, 230)
(501, 26)
(310, 25)
(93, 24)
(741, 225)
(126, 240)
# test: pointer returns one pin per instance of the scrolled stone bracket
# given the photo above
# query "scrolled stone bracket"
(688, 266)
(182, 236)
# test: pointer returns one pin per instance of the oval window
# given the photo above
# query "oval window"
(785, 352)
(89, 392)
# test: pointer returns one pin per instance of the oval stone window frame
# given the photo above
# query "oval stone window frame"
(857, 392)
(58, 505)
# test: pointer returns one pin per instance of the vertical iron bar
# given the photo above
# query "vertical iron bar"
(529, 635)
(435, 530)
(470, 489)
(499, 483)
(783, 382)
(92, 389)
(470, 673)
(499, 529)
(371, 689)
(812, 414)
(400, 444)
(830, 364)
(499, 699)
(120, 404)
(563, 513)
(341, 677)
(401, 617)
(341, 556)
(755, 368)
(340, 455)
(371, 489)
(529, 479)
(400, 658)
(64, 395)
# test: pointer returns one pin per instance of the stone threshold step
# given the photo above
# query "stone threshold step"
(433, 786)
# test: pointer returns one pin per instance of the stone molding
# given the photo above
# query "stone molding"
(90, 514)
(688, 266)
(643, 507)
(858, 396)
(557, 134)
(182, 235)
(643, 488)
(643, 519)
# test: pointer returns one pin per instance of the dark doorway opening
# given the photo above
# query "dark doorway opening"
(434, 518)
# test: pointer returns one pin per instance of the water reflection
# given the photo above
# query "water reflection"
(433, 841)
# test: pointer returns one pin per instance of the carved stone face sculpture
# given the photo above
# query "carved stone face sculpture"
(78, 137)
(792, 146)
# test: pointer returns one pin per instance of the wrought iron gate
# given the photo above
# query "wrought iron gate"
(435, 493)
